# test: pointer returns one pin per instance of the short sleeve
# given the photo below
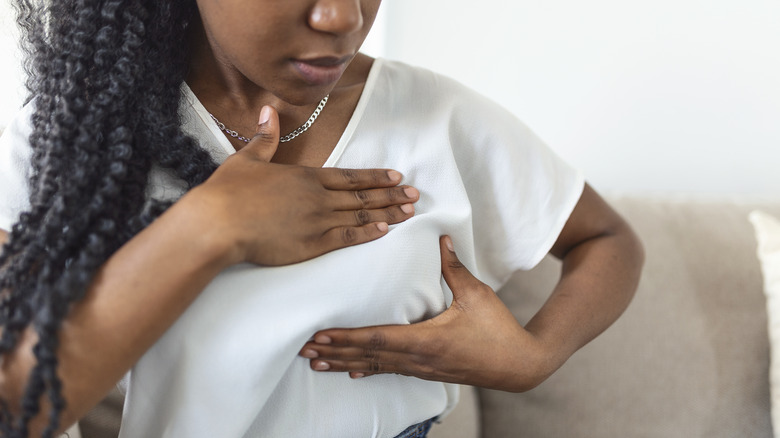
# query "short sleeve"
(521, 192)
(15, 168)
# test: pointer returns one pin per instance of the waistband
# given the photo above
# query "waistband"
(418, 430)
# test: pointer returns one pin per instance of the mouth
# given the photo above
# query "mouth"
(321, 70)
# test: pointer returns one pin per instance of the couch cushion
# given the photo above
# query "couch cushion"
(463, 421)
(690, 356)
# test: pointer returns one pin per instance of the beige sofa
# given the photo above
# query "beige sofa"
(688, 359)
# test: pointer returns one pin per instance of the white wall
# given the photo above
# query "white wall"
(11, 78)
(663, 96)
(645, 97)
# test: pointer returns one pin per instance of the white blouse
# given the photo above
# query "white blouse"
(229, 367)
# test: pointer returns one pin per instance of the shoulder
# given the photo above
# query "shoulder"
(19, 127)
(431, 94)
(15, 166)
(15, 150)
(420, 83)
(472, 123)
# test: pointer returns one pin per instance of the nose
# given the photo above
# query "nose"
(336, 16)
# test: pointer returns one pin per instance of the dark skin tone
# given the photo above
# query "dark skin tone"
(302, 211)
(485, 345)
(231, 78)
(296, 213)
(477, 341)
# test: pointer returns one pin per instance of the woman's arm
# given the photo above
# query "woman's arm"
(134, 298)
(602, 261)
(477, 341)
(250, 210)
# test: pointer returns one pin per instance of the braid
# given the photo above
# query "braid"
(105, 111)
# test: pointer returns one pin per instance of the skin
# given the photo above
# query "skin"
(251, 210)
(302, 211)
(477, 341)
(234, 79)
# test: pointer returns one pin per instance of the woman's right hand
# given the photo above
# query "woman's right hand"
(276, 214)
(249, 210)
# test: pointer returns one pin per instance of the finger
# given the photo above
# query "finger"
(365, 360)
(266, 139)
(340, 237)
(358, 179)
(395, 363)
(359, 367)
(403, 338)
(313, 351)
(389, 215)
(326, 358)
(374, 198)
(457, 276)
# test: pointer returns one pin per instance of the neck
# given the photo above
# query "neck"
(215, 79)
(236, 101)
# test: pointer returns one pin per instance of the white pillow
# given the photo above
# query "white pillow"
(768, 237)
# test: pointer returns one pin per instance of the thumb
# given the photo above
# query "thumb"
(457, 276)
(266, 138)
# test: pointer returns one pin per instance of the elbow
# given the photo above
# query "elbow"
(634, 254)
(11, 388)
(15, 368)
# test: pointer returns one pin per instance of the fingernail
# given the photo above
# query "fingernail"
(357, 375)
(394, 175)
(448, 243)
(322, 339)
(381, 226)
(310, 354)
(407, 208)
(265, 115)
(411, 192)
(321, 366)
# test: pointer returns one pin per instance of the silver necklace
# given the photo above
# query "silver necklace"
(303, 128)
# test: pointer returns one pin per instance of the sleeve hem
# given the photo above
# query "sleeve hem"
(557, 227)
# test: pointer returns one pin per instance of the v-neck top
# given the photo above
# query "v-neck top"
(228, 367)
(224, 144)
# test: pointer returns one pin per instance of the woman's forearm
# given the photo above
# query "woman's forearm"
(137, 294)
(598, 279)
(477, 340)
(249, 210)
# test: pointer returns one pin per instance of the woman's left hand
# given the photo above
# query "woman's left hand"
(476, 341)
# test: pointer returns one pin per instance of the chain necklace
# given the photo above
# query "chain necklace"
(303, 128)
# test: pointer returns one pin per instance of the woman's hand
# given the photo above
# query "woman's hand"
(476, 341)
(249, 210)
(275, 214)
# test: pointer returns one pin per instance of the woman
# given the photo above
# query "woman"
(110, 268)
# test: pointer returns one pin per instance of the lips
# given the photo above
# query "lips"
(322, 70)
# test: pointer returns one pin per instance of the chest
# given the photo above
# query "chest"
(394, 280)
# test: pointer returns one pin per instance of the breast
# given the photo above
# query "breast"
(233, 346)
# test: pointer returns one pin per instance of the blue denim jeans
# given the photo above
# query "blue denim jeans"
(417, 430)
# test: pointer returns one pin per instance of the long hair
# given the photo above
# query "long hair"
(104, 77)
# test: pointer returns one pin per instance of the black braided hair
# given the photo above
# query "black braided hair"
(104, 77)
